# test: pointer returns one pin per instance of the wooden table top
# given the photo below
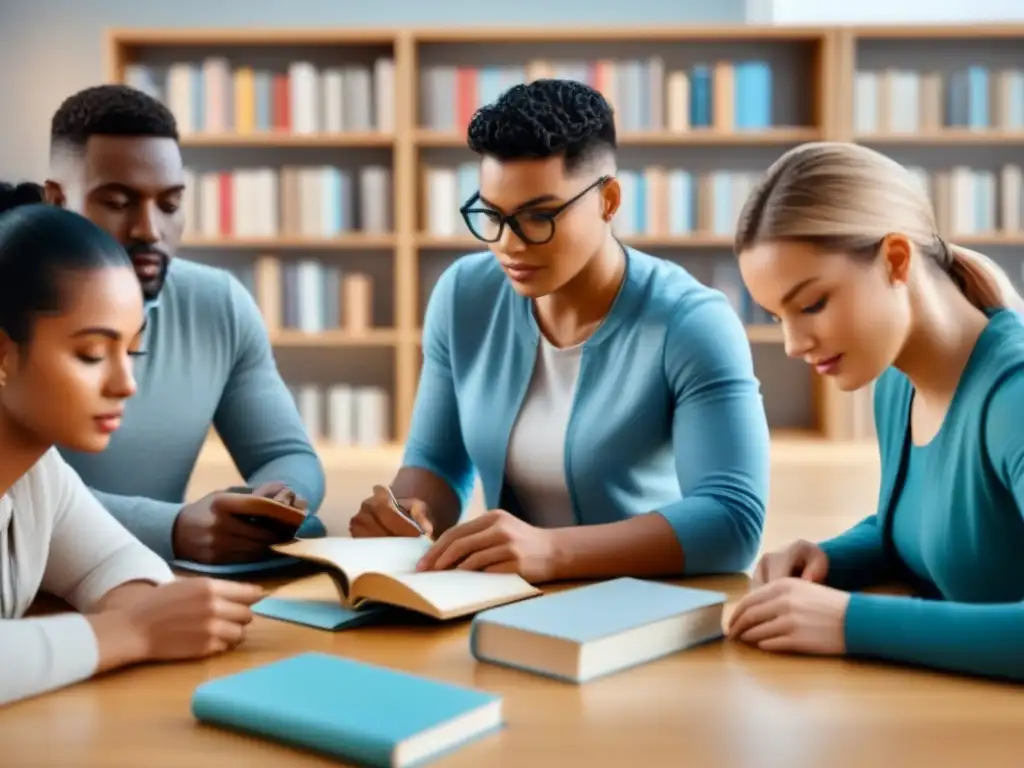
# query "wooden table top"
(721, 705)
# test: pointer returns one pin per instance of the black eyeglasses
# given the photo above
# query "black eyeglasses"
(533, 227)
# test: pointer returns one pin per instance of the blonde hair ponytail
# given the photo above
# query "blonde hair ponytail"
(848, 198)
(981, 280)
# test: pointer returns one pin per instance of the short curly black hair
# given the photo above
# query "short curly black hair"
(110, 110)
(545, 118)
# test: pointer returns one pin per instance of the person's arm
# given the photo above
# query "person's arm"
(257, 418)
(978, 639)
(720, 439)
(150, 520)
(856, 557)
(436, 467)
(91, 556)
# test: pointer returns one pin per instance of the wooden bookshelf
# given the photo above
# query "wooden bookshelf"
(895, 92)
(806, 65)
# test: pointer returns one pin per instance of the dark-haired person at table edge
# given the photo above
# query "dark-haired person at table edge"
(606, 397)
(114, 158)
(72, 324)
(840, 243)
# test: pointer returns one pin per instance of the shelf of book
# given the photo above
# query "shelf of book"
(346, 242)
(947, 102)
(279, 139)
(327, 167)
(662, 138)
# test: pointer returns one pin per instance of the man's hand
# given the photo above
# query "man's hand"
(211, 530)
(278, 491)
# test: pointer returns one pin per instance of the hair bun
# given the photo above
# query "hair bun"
(25, 193)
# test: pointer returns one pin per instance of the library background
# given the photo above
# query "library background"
(326, 165)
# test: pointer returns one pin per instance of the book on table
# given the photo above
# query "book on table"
(382, 571)
(350, 710)
(580, 634)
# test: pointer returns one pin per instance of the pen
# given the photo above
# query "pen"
(398, 508)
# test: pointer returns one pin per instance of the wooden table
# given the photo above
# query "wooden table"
(720, 705)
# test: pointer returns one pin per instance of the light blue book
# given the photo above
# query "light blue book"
(319, 614)
(357, 712)
(589, 632)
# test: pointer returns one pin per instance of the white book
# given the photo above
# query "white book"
(179, 97)
(308, 400)
(310, 295)
(332, 87)
(441, 205)
(209, 212)
(865, 102)
(1010, 198)
(384, 95)
(340, 413)
(304, 92)
(371, 421)
(375, 199)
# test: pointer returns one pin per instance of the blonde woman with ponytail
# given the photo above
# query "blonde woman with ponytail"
(840, 244)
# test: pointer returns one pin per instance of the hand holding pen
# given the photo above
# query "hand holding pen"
(383, 514)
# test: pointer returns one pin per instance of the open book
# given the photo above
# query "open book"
(383, 571)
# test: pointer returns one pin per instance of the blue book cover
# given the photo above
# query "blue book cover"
(350, 710)
(575, 619)
(315, 602)
(319, 614)
(977, 97)
(700, 96)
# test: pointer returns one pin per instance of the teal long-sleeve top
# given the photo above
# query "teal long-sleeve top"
(207, 363)
(950, 522)
(667, 417)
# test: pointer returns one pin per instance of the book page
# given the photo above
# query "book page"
(357, 556)
(454, 593)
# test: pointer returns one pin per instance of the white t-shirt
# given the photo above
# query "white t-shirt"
(535, 464)
(56, 537)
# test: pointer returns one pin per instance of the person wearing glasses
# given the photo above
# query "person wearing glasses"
(606, 398)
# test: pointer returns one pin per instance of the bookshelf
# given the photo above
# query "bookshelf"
(948, 103)
(702, 112)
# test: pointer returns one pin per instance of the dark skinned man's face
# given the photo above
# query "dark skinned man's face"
(132, 186)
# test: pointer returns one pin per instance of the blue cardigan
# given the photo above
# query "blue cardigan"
(969, 617)
(668, 414)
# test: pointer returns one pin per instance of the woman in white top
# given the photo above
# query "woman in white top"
(71, 320)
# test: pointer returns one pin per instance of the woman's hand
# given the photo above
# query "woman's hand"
(377, 517)
(801, 559)
(794, 616)
(186, 619)
(495, 542)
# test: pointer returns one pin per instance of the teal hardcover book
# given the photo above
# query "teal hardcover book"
(350, 710)
(588, 632)
(320, 614)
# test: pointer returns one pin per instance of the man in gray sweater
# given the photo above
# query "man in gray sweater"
(115, 158)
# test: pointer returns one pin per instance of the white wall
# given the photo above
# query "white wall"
(883, 11)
